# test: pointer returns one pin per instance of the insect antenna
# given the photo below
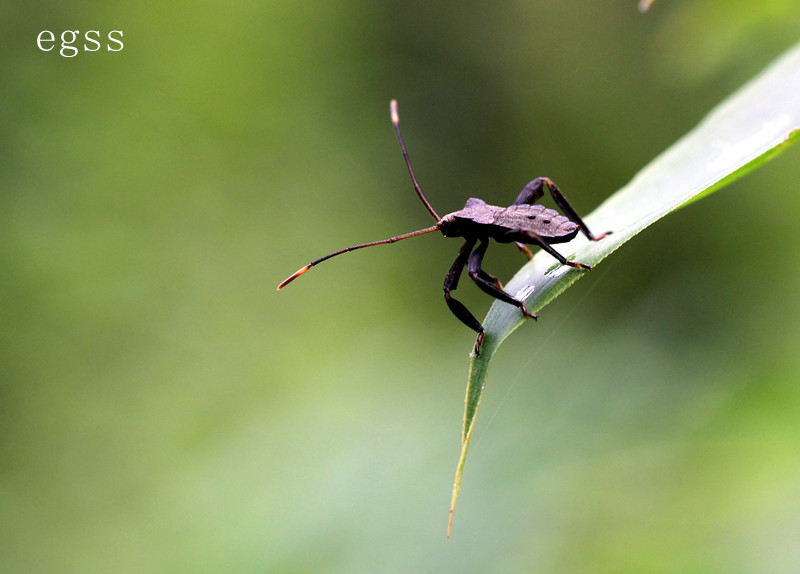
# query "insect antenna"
(302, 270)
(396, 122)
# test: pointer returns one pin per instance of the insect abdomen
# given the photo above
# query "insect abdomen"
(545, 222)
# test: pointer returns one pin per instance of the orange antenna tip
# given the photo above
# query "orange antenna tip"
(293, 276)
(393, 107)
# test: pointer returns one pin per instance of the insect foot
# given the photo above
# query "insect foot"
(577, 265)
(478, 343)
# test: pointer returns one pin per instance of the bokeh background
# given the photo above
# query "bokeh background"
(164, 409)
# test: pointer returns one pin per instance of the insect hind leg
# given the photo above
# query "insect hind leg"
(535, 190)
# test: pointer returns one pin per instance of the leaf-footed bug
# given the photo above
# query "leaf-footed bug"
(521, 223)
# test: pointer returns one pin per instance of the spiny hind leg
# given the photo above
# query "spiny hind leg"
(534, 190)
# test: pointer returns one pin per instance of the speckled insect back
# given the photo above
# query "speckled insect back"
(523, 223)
(497, 222)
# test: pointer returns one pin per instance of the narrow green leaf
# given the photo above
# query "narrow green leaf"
(752, 126)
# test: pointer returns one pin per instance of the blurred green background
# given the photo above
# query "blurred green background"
(163, 409)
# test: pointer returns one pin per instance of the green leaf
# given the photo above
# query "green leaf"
(752, 126)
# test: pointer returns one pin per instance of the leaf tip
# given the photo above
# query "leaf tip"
(450, 521)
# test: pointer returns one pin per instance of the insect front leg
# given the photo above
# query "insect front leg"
(477, 268)
(457, 307)
(484, 281)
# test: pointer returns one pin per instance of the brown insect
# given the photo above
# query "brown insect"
(521, 223)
